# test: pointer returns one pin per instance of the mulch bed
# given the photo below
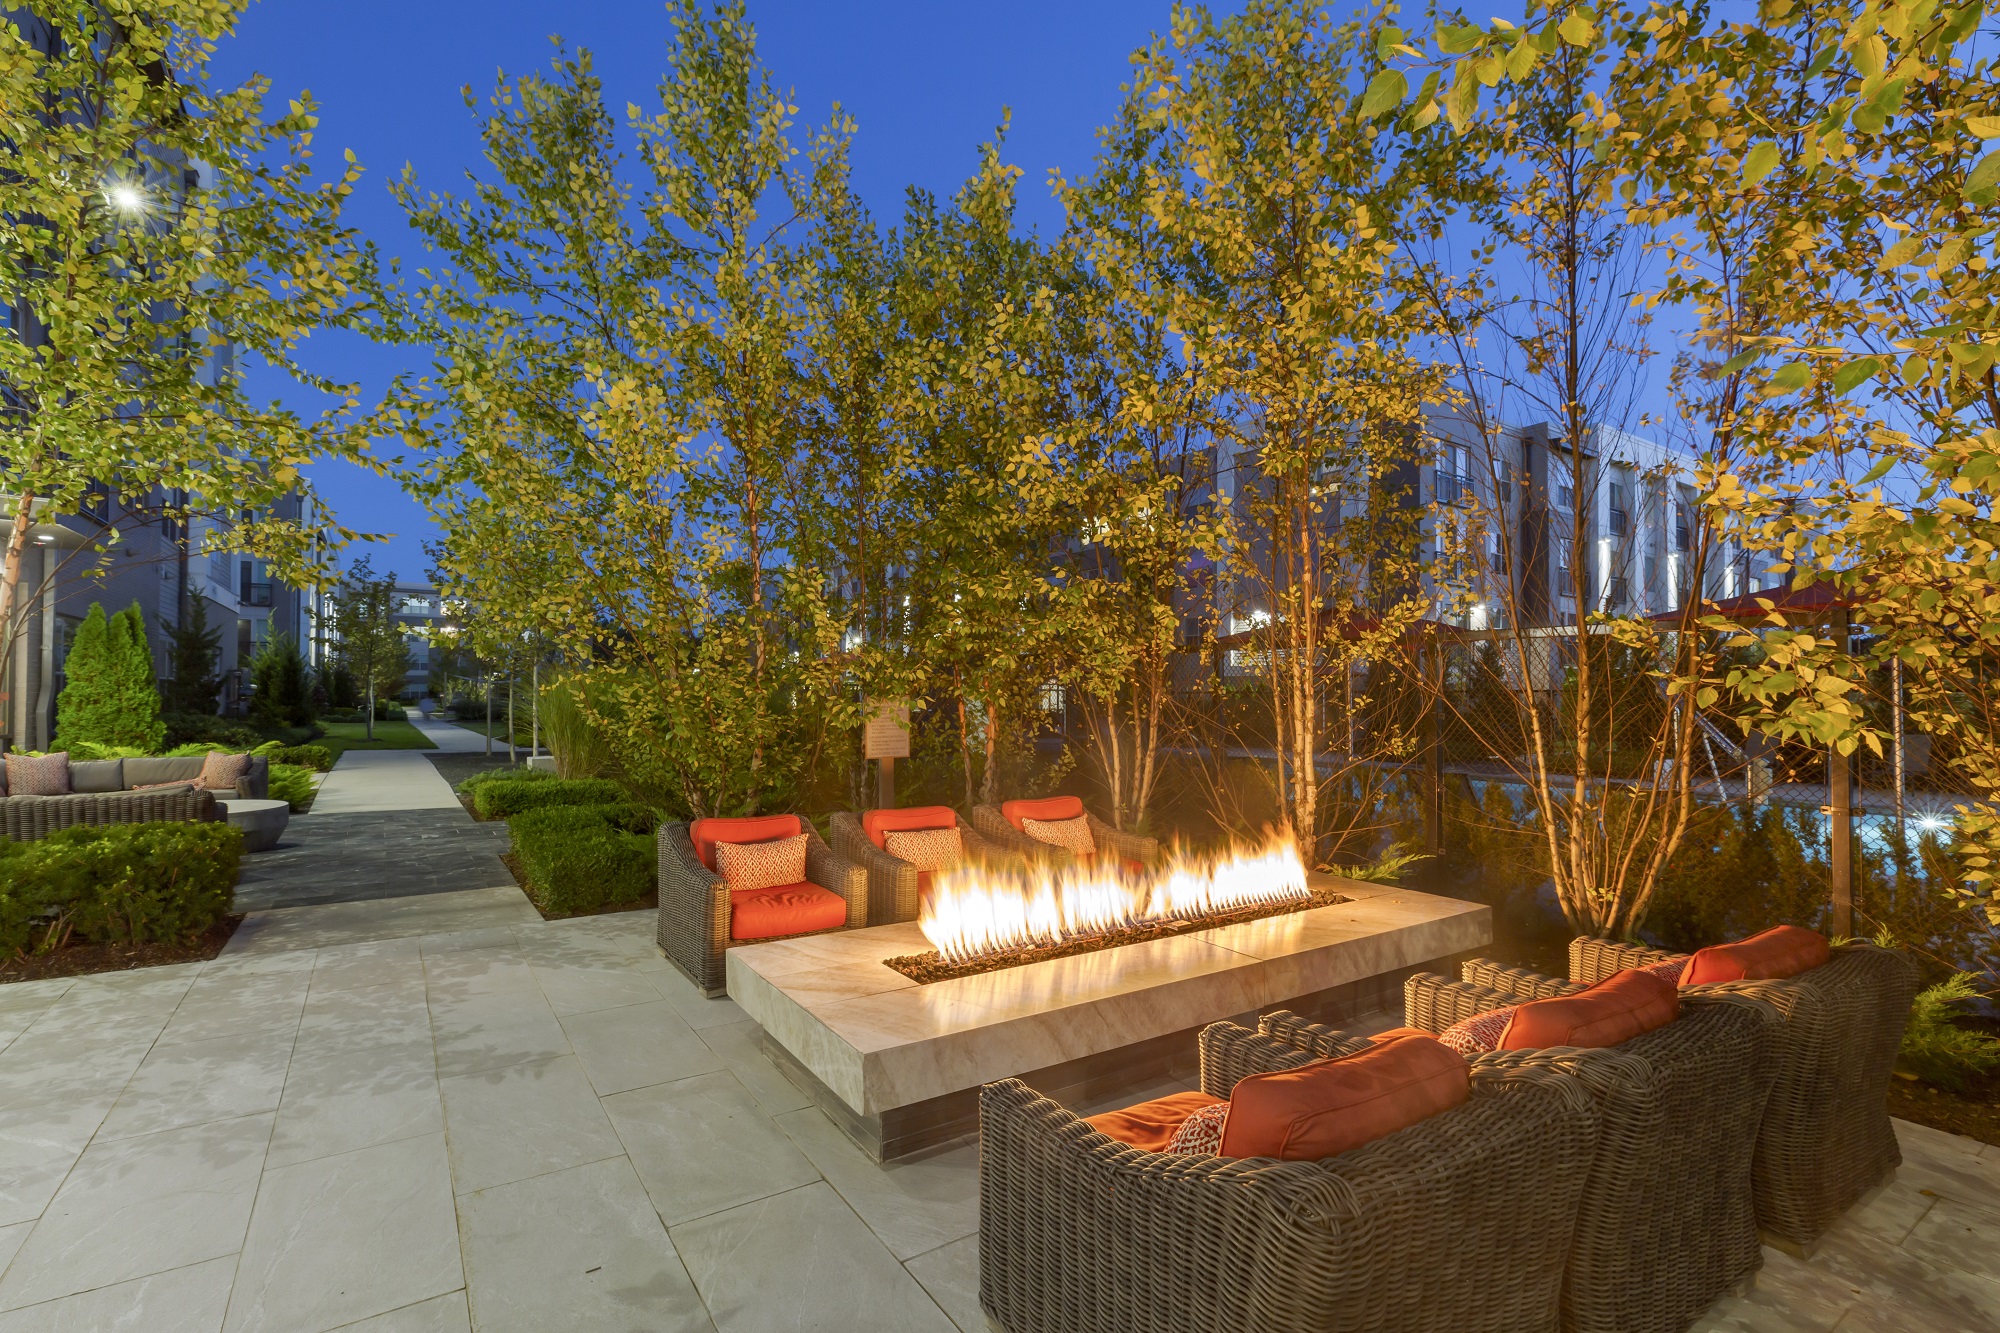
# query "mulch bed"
(1974, 1113)
(930, 966)
(76, 960)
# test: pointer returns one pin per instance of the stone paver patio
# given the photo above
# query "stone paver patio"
(534, 1125)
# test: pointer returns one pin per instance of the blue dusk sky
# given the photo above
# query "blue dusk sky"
(926, 82)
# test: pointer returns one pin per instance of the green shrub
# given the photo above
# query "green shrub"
(292, 783)
(576, 859)
(501, 800)
(119, 884)
(580, 750)
(1935, 1048)
(503, 773)
(315, 757)
(215, 732)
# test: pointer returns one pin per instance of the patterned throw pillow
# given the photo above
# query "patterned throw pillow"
(1200, 1135)
(762, 865)
(1070, 834)
(925, 848)
(38, 775)
(220, 771)
(1670, 970)
(1479, 1033)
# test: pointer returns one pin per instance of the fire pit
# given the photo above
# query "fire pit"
(981, 919)
(897, 1064)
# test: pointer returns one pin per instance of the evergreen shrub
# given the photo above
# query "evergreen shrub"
(503, 800)
(117, 884)
(578, 858)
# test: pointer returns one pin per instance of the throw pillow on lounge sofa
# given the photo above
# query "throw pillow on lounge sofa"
(1316, 1111)
(1614, 1010)
(1772, 955)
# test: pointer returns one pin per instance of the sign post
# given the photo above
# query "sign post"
(885, 738)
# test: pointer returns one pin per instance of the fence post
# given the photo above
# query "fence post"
(1434, 752)
(1840, 857)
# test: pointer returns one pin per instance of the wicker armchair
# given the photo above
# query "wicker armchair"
(1826, 1138)
(998, 830)
(694, 903)
(1667, 1225)
(1460, 1222)
(894, 889)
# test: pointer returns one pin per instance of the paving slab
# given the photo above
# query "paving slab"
(481, 1116)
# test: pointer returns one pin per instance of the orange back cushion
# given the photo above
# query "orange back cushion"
(1616, 1009)
(705, 833)
(1331, 1106)
(1781, 951)
(1049, 807)
(878, 824)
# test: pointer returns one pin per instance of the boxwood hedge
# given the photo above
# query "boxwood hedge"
(577, 858)
(119, 884)
(505, 798)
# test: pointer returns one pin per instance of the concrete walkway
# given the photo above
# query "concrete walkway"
(385, 825)
(543, 1126)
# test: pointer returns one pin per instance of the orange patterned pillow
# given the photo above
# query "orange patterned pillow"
(926, 849)
(1200, 1135)
(762, 865)
(1072, 835)
(220, 771)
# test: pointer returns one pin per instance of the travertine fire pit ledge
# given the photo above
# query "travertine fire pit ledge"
(879, 1041)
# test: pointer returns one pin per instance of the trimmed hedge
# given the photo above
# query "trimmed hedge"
(577, 858)
(505, 799)
(315, 757)
(118, 884)
(503, 773)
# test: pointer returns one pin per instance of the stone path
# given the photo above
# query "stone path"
(541, 1125)
(384, 825)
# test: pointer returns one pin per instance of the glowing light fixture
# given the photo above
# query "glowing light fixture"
(127, 198)
(1931, 823)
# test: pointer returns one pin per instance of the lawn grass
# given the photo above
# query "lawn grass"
(344, 736)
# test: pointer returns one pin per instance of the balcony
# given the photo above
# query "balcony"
(1621, 523)
(1452, 489)
(254, 594)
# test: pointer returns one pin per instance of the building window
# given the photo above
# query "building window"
(1620, 517)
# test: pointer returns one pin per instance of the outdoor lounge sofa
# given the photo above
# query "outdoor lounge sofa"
(102, 791)
(1826, 1138)
(895, 886)
(1004, 827)
(1458, 1222)
(702, 918)
(1667, 1224)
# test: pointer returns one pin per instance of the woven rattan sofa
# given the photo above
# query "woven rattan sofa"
(1460, 1222)
(1667, 1225)
(996, 825)
(895, 887)
(102, 793)
(695, 903)
(1826, 1138)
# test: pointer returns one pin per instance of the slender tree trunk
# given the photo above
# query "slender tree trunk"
(989, 781)
(964, 736)
(10, 591)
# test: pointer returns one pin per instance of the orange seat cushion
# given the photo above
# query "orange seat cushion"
(1049, 808)
(784, 909)
(1332, 1106)
(1781, 951)
(1151, 1125)
(705, 833)
(878, 824)
(1616, 1009)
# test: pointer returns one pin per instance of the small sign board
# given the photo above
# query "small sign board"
(886, 734)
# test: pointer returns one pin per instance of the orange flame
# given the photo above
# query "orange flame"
(973, 910)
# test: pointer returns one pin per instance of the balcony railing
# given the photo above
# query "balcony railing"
(1452, 489)
(1621, 523)
(255, 594)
